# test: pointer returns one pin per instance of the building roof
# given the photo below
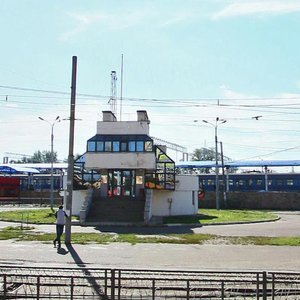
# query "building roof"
(241, 163)
(14, 168)
(30, 167)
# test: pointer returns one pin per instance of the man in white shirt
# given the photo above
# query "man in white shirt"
(60, 223)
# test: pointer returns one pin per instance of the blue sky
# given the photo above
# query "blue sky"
(184, 60)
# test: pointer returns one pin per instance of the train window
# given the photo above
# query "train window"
(290, 182)
(258, 182)
(279, 182)
(230, 181)
(210, 182)
(270, 182)
(250, 182)
(241, 182)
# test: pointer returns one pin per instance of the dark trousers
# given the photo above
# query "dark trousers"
(59, 232)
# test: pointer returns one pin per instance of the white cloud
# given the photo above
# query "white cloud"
(105, 20)
(243, 8)
(177, 17)
(230, 94)
(123, 20)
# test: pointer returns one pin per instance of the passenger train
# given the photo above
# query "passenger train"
(252, 182)
(244, 182)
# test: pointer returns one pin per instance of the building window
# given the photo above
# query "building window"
(139, 146)
(91, 146)
(120, 143)
(148, 146)
(164, 176)
(100, 146)
(107, 146)
(124, 146)
(116, 146)
(131, 146)
(121, 183)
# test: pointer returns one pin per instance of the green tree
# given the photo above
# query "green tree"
(206, 154)
(40, 157)
(203, 154)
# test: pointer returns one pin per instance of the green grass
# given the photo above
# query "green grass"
(13, 232)
(25, 234)
(213, 216)
(33, 216)
(205, 216)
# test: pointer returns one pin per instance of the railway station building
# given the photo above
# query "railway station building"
(124, 177)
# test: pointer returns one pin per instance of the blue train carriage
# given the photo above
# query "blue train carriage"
(249, 182)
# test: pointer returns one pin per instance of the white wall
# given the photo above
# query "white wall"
(119, 160)
(182, 201)
(77, 201)
(123, 127)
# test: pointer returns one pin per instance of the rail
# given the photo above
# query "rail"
(117, 284)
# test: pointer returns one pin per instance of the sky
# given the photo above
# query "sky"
(184, 61)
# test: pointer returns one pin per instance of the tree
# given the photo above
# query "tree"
(203, 154)
(206, 154)
(39, 157)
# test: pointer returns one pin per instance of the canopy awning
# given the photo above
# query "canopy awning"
(13, 169)
(244, 163)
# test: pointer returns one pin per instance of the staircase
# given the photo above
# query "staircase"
(116, 210)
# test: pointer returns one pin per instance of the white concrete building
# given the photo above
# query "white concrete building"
(125, 177)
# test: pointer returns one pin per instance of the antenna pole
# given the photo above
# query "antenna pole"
(121, 89)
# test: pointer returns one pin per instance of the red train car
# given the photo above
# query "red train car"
(10, 186)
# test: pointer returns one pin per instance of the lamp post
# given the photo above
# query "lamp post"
(51, 158)
(215, 125)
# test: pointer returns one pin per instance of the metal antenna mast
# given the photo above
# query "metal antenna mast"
(113, 95)
(121, 92)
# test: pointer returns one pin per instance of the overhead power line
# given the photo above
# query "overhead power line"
(217, 101)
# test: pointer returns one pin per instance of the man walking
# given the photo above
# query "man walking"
(60, 223)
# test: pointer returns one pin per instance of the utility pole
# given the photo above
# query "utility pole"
(51, 159)
(217, 123)
(217, 167)
(70, 173)
(223, 177)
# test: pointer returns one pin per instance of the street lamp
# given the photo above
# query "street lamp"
(51, 159)
(215, 125)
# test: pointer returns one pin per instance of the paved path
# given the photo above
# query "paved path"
(166, 256)
(153, 256)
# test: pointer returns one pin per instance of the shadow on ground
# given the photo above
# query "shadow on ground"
(182, 229)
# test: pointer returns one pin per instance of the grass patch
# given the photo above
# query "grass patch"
(24, 234)
(265, 241)
(12, 232)
(213, 216)
(204, 216)
(33, 216)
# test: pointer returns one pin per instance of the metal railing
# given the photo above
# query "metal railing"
(93, 283)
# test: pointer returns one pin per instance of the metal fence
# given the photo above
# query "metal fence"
(93, 283)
